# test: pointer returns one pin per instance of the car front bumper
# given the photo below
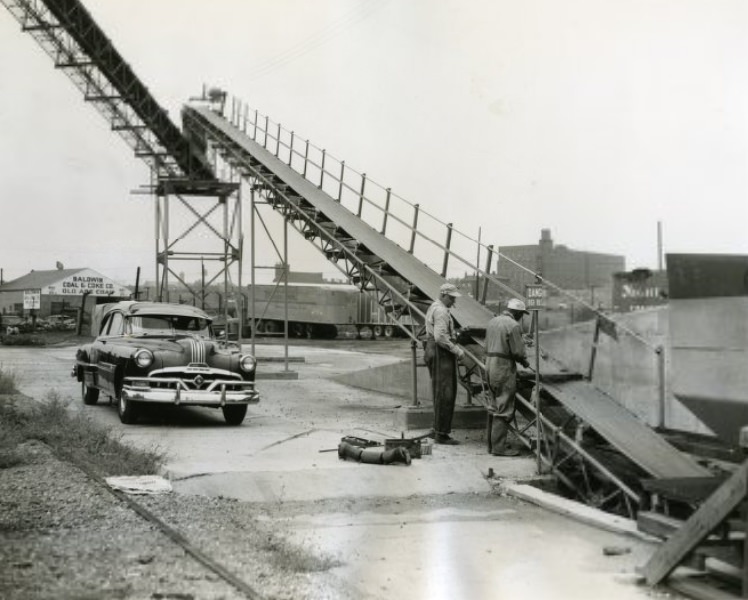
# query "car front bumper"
(176, 391)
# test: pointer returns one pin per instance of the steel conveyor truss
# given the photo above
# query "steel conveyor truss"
(402, 283)
(182, 180)
(69, 35)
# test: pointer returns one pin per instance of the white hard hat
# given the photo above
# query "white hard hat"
(516, 304)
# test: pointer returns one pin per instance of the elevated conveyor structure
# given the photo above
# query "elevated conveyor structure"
(182, 180)
(405, 284)
(374, 261)
(69, 35)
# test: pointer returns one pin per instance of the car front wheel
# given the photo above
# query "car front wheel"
(90, 395)
(128, 411)
(235, 414)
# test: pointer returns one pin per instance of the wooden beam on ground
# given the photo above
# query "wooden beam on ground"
(702, 589)
(698, 527)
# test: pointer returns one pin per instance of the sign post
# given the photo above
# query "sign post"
(32, 299)
(536, 301)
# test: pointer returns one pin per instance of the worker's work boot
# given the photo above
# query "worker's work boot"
(499, 433)
(506, 451)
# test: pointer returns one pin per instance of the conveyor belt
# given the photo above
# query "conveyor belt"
(624, 430)
(467, 312)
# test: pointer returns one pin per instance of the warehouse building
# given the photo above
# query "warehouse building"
(58, 292)
(588, 274)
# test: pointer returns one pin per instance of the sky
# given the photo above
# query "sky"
(596, 119)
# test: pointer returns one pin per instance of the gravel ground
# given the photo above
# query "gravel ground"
(63, 535)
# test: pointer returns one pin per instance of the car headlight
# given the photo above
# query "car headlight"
(247, 363)
(143, 358)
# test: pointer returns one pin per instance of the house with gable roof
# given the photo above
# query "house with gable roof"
(58, 291)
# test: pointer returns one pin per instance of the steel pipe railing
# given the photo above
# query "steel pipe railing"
(362, 195)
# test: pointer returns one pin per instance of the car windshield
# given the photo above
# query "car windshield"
(169, 325)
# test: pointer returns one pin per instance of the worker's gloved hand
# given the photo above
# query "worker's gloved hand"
(462, 336)
(525, 364)
(460, 354)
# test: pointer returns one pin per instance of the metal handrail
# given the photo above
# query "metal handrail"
(328, 170)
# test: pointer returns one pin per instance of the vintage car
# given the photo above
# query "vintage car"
(151, 352)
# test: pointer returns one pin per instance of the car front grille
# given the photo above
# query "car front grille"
(192, 381)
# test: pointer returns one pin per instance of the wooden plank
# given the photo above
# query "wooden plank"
(696, 529)
(692, 490)
(701, 589)
(575, 510)
(625, 431)
(657, 524)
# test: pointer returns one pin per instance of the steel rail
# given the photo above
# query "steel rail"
(201, 557)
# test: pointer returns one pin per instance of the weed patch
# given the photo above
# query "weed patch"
(23, 339)
(73, 436)
(7, 381)
(289, 557)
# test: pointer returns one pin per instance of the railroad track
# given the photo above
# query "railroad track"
(201, 557)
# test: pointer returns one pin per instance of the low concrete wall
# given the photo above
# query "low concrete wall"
(396, 380)
(627, 368)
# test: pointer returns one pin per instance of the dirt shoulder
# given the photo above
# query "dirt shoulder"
(64, 535)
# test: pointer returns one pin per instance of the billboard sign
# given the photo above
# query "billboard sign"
(87, 281)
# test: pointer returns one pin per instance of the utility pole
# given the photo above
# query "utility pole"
(659, 246)
(202, 283)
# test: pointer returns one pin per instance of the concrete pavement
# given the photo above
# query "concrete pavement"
(434, 529)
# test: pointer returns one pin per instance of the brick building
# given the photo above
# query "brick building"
(588, 274)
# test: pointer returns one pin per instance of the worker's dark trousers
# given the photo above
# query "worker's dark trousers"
(499, 433)
(442, 365)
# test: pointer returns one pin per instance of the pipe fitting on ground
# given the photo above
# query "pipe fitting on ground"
(373, 456)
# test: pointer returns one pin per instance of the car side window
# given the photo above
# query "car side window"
(116, 325)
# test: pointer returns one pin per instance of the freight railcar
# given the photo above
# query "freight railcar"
(313, 310)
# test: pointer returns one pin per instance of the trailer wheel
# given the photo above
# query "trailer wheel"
(377, 330)
(390, 331)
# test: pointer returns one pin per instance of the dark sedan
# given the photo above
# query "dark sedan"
(152, 352)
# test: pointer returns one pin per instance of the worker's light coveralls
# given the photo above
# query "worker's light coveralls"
(440, 355)
(504, 348)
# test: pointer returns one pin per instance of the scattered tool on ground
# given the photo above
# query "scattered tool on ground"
(373, 455)
(371, 451)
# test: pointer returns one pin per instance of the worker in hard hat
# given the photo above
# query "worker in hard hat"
(441, 354)
(505, 347)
